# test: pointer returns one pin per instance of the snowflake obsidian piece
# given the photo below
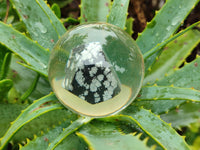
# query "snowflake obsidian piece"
(89, 74)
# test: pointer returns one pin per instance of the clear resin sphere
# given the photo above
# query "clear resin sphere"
(96, 69)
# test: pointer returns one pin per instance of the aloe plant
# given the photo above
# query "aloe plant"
(168, 101)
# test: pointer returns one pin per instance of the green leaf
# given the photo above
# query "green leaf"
(69, 130)
(5, 86)
(157, 106)
(187, 77)
(20, 26)
(5, 66)
(173, 55)
(19, 74)
(163, 25)
(106, 136)
(159, 130)
(183, 116)
(196, 144)
(42, 142)
(71, 20)
(129, 26)
(32, 53)
(152, 125)
(56, 9)
(94, 11)
(36, 109)
(161, 45)
(161, 99)
(9, 112)
(118, 14)
(43, 123)
(53, 19)
(3, 8)
(3, 51)
(30, 89)
(61, 3)
(168, 93)
(41, 23)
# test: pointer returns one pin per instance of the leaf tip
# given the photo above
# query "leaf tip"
(149, 69)
(183, 137)
(146, 140)
(139, 135)
(20, 146)
(134, 133)
(155, 84)
(27, 140)
(153, 147)
(34, 136)
(166, 112)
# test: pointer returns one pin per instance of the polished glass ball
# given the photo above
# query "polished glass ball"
(96, 69)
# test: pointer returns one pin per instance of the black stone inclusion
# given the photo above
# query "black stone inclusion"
(90, 98)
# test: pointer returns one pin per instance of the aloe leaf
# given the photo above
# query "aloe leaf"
(56, 9)
(5, 86)
(5, 65)
(161, 132)
(69, 130)
(43, 123)
(173, 55)
(161, 45)
(168, 93)
(3, 52)
(38, 108)
(157, 106)
(70, 143)
(196, 143)
(30, 89)
(41, 23)
(106, 136)
(18, 74)
(129, 26)
(118, 14)
(32, 53)
(94, 11)
(71, 20)
(20, 26)
(42, 142)
(161, 99)
(163, 25)
(9, 112)
(2, 9)
(55, 21)
(158, 47)
(61, 3)
(187, 77)
(184, 115)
